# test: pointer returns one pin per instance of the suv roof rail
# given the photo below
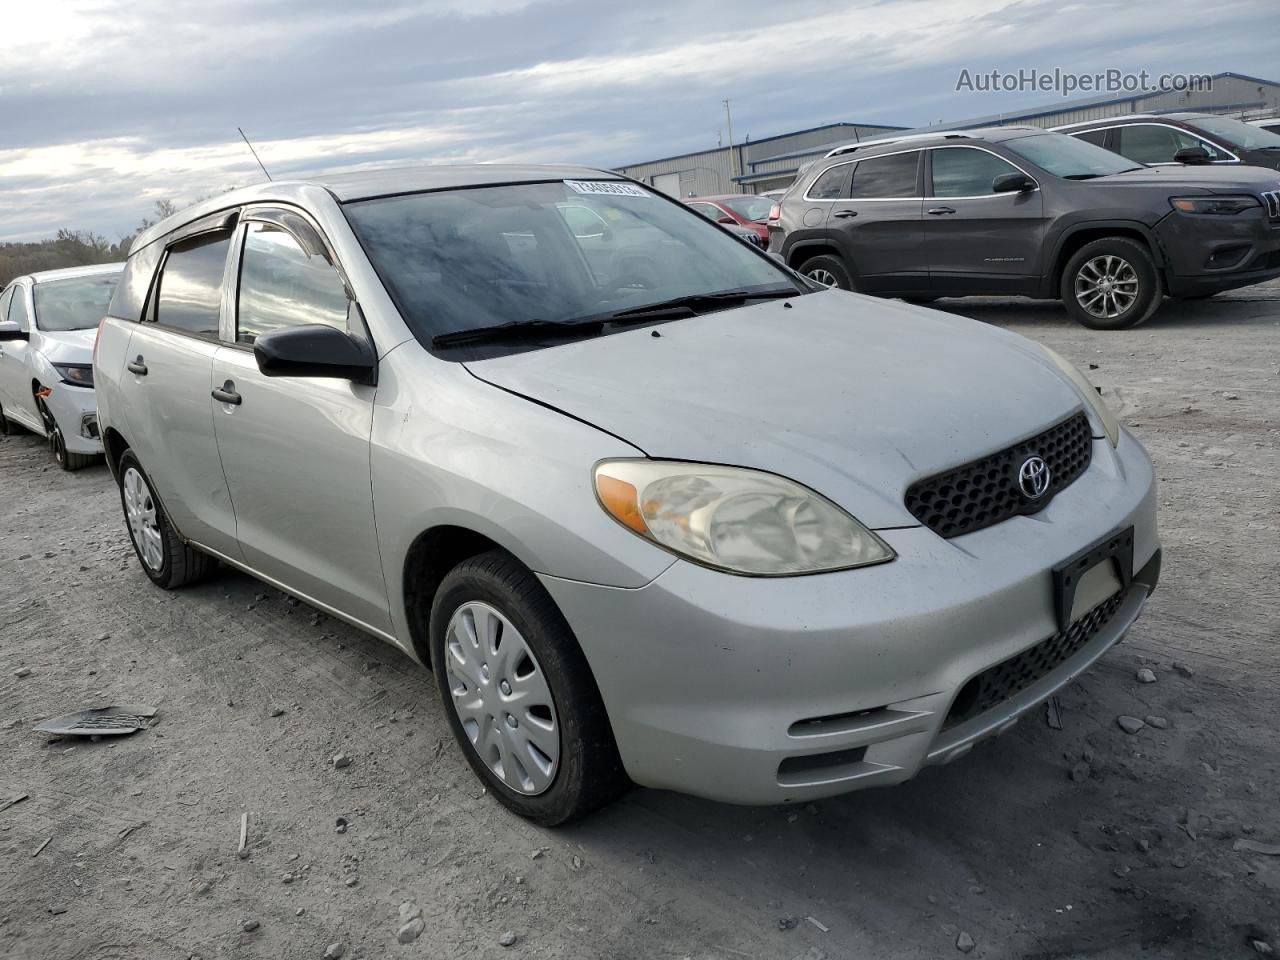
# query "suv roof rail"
(882, 141)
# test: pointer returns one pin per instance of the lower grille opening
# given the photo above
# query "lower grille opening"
(846, 722)
(1008, 678)
(1227, 257)
(821, 767)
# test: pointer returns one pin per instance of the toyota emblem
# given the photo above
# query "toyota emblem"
(1033, 478)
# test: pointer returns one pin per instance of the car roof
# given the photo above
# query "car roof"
(382, 182)
(70, 273)
(1181, 117)
(987, 134)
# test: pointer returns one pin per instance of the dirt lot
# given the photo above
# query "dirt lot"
(1133, 857)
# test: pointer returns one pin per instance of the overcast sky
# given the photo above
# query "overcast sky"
(108, 106)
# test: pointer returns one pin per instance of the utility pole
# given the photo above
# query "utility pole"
(733, 156)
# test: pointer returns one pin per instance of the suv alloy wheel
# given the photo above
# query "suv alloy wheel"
(827, 270)
(1111, 284)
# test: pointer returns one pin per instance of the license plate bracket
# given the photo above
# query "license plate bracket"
(1115, 548)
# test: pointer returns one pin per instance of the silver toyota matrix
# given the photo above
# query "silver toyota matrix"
(653, 507)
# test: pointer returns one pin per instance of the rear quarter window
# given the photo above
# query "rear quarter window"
(131, 292)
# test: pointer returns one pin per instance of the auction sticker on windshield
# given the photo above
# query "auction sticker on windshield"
(612, 188)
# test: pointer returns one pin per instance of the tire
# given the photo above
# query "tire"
(58, 443)
(4, 424)
(919, 301)
(828, 270)
(1119, 271)
(168, 561)
(496, 633)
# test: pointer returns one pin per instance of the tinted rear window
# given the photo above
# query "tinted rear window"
(885, 177)
(189, 296)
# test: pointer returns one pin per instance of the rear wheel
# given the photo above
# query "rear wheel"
(828, 270)
(1111, 284)
(520, 698)
(168, 561)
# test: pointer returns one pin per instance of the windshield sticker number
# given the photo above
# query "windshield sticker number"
(608, 188)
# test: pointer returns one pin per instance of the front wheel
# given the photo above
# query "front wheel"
(827, 270)
(168, 561)
(1111, 284)
(58, 443)
(520, 698)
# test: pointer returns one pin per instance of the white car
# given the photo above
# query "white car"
(1270, 124)
(48, 325)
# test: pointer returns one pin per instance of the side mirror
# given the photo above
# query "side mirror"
(726, 219)
(316, 350)
(1012, 183)
(1192, 156)
(9, 331)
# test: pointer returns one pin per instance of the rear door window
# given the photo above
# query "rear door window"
(882, 178)
(189, 293)
(966, 172)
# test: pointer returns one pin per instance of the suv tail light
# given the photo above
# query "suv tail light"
(775, 212)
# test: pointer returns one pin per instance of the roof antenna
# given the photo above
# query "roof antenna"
(254, 152)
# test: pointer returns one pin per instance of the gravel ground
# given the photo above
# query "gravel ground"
(1080, 842)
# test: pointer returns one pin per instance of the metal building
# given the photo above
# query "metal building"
(755, 166)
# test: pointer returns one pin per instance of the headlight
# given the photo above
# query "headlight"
(1225, 206)
(732, 519)
(1109, 422)
(81, 374)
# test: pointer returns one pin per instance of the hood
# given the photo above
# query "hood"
(1216, 179)
(852, 396)
(68, 346)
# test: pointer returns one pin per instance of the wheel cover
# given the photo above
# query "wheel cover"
(140, 512)
(822, 275)
(1106, 286)
(501, 698)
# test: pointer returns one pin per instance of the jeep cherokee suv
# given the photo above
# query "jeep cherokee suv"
(1018, 211)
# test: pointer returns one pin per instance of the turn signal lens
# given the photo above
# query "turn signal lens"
(733, 519)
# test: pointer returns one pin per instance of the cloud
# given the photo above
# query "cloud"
(109, 105)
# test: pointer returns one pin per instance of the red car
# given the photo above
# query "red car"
(741, 209)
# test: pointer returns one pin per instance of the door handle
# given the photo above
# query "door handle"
(227, 394)
(845, 214)
(137, 367)
(939, 211)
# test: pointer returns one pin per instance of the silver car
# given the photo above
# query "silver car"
(48, 323)
(653, 507)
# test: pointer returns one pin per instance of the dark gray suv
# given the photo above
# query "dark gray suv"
(1019, 211)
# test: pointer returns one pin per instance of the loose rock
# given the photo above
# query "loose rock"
(1182, 668)
(1130, 724)
(249, 926)
(341, 825)
(1255, 846)
(1146, 675)
(1160, 723)
(1262, 947)
(1080, 772)
(964, 942)
(410, 931)
(341, 760)
(22, 672)
(277, 711)
(508, 939)
(335, 951)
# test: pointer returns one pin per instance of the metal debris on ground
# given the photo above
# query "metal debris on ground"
(6, 804)
(242, 851)
(36, 851)
(819, 924)
(1053, 713)
(110, 721)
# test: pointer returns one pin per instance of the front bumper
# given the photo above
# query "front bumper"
(1209, 254)
(763, 691)
(76, 410)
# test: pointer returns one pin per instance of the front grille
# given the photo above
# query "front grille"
(997, 684)
(1272, 199)
(986, 491)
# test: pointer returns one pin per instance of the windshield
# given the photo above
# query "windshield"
(1237, 133)
(1068, 157)
(555, 252)
(750, 208)
(74, 304)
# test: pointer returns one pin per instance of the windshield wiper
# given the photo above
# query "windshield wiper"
(694, 301)
(515, 330)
